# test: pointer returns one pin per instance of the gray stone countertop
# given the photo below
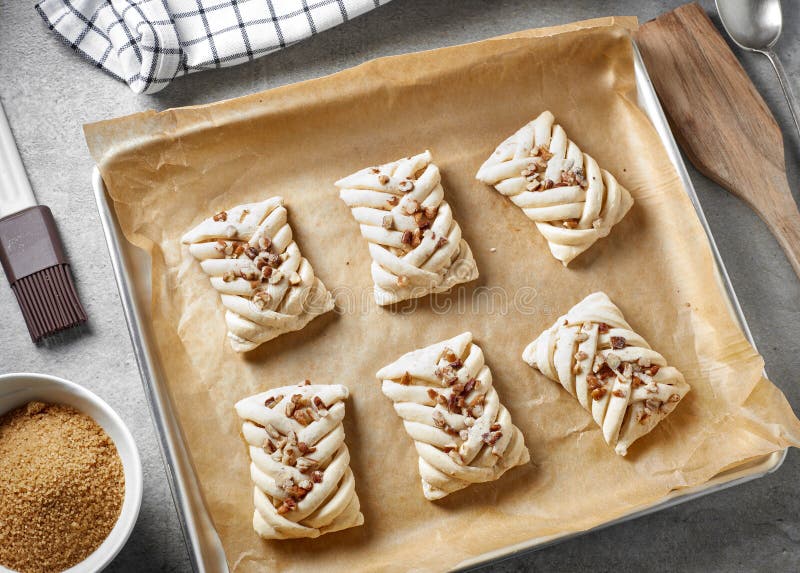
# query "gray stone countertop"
(49, 92)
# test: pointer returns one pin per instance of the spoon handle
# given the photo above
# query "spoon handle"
(794, 106)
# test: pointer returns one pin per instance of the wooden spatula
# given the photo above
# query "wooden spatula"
(719, 118)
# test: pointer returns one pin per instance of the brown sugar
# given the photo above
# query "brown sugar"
(61, 487)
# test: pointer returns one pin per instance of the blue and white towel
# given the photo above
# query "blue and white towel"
(148, 43)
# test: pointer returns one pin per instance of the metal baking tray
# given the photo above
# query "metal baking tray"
(132, 271)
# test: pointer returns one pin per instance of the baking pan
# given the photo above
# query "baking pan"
(132, 272)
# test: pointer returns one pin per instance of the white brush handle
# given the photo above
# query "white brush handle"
(15, 189)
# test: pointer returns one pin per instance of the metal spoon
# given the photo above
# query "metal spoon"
(755, 25)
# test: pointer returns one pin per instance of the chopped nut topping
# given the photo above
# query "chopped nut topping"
(287, 506)
(374, 170)
(653, 404)
(221, 216)
(449, 355)
(470, 385)
(296, 491)
(271, 259)
(605, 372)
(405, 379)
(581, 337)
(393, 201)
(416, 238)
(476, 401)
(464, 435)
(618, 343)
(402, 281)
(431, 212)
(251, 252)
(383, 179)
(305, 448)
(290, 408)
(271, 431)
(272, 400)
(598, 393)
(674, 398)
(303, 417)
(653, 369)
(613, 361)
(249, 273)
(636, 382)
(261, 300)
(490, 438)
(421, 220)
(570, 224)
(231, 231)
(264, 243)
(602, 327)
(533, 185)
(406, 238)
(432, 394)
(245, 213)
(576, 368)
(387, 222)
(581, 355)
(547, 185)
(294, 279)
(495, 427)
(569, 178)
(593, 382)
(411, 207)
(438, 420)
(228, 276)
(619, 393)
(626, 369)
(321, 407)
(316, 476)
(406, 185)
(266, 272)
(305, 465)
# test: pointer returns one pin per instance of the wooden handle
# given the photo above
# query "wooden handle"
(719, 118)
(782, 216)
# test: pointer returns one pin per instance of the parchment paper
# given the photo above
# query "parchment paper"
(167, 171)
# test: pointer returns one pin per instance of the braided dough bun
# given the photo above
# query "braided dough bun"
(265, 284)
(300, 464)
(461, 431)
(572, 201)
(594, 354)
(415, 243)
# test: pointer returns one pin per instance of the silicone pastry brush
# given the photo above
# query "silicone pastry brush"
(30, 249)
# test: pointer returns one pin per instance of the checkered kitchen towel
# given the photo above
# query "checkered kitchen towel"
(147, 43)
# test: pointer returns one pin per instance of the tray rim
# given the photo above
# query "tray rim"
(173, 450)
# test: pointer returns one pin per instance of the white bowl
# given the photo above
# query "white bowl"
(20, 388)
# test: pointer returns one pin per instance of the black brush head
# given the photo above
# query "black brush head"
(34, 262)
